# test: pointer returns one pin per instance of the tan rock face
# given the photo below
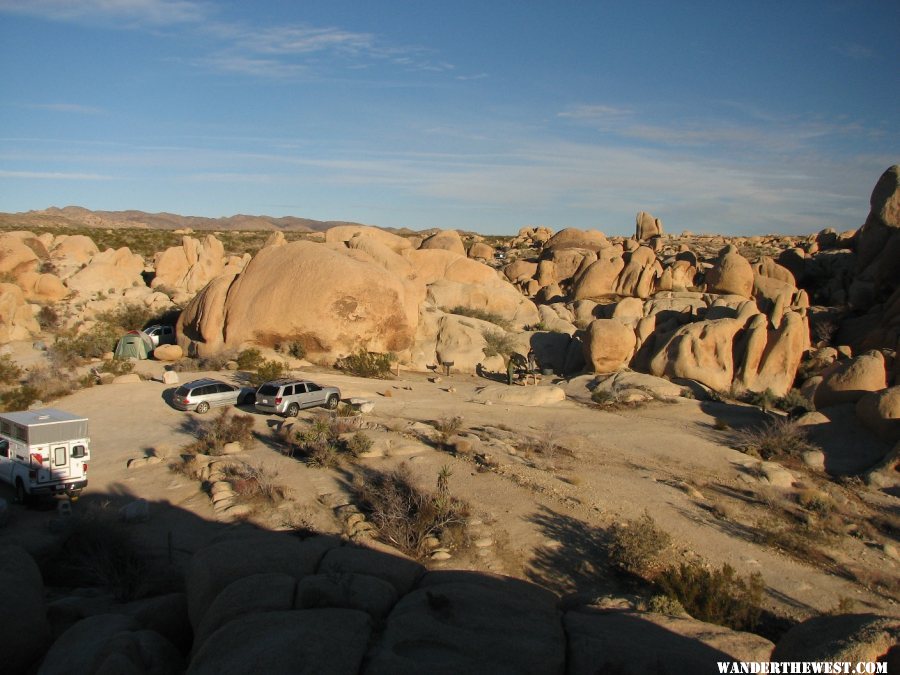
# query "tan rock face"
(191, 266)
(446, 240)
(849, 381)
(701, 351)
(647, 227)
(330, 300)
(571, 237)
(344, 233)
(42, 287)
(731, 274)
(880, 412)
(17, 321)
(608, 345)
(168, 353)
(599, 279)
(481, 251)
(75, 249)
(15, 257)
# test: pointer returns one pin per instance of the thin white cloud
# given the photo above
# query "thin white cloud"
(596, 112)
(67, 108)
(131, 13)
(256, 67)
(855, 51)
(54, 175)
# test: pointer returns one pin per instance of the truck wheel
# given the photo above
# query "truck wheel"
(21, 495)
(202, 407)
(333, 402)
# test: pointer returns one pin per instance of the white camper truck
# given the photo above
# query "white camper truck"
(44, 452)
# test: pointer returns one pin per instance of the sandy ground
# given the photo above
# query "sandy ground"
(544, 513)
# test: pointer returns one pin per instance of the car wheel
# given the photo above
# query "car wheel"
(202, 407)
(293, 409)
(333, 402)
(21, 495)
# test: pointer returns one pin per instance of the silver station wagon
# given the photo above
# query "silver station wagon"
(201, 395)
(287, 397)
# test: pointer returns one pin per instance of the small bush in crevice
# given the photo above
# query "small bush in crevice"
(717, 596)
(116, 367)
(447, 427)
(255, 484)
(405, 515)
(482, 315)
(249, 359)
(48, 318)
(781, 437)
(366, 364)
(636, 545)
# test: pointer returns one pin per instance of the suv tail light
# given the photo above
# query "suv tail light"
(85, 467)
(277, 400)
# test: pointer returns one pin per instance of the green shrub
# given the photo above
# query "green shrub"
(19, 398)
(498, 343)
(717, 596)
(359, 443)
(763, 399)
(266, 371)
(131, 316)
(249, 359)
(116, 367)
(75, 349)
(794, 400)
(481, 314)
(9, 370)
(366, 364)
(635, 546)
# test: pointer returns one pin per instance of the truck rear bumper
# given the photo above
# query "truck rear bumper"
(59, 488)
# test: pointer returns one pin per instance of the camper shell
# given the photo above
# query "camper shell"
(44, 452)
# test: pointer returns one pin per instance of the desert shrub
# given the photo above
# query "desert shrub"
(215, 432)
(255, 483)
(721, 425)
(405, 515)
(130, 316)
(19, 398)
(249, 359)
(49, 383)
(48, 318)
(604, 397)
(793, 401)
(717, 596)
(448, 427)
(293, 349)
(498, 343)
(664, 604)
(763, 399)
(816, 501)
(635, 546)
(75, 349)
(781, 437)
(211, 363)
(98, 551)
(366, 364)
(482, 314)
(116, 367)
(9, 370)
(359, 443)
(267, 370)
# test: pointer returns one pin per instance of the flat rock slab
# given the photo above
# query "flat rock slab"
(518, 395)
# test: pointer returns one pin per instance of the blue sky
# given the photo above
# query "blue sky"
(740, 118)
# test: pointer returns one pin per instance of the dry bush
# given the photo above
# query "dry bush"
(358, 444)
(781, 437)
(74, 349)
(816, 501)
(116, 367)
(498, 343)
(635, 546)
(267, 371)
(717, 596)
(447, 427)
(482, 315)
(215, 432)
(255, 483)
(405, 515)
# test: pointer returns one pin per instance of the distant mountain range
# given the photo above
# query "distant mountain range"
(76, 216)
